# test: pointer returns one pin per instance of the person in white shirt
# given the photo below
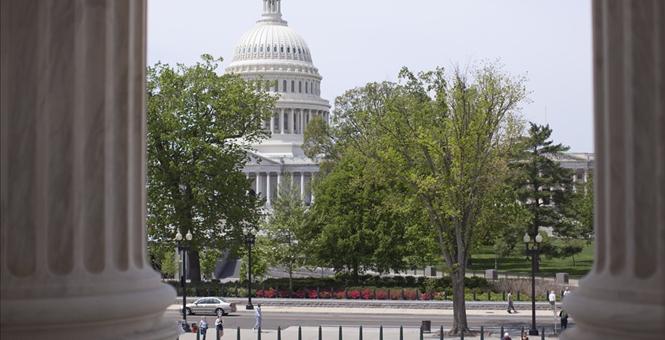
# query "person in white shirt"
(219, 326)
(203, 328)
(259, 316)
(565, 292)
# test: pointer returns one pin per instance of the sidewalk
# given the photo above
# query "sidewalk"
(348, 333)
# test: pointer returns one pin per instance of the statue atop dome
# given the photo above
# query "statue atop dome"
(272, 11)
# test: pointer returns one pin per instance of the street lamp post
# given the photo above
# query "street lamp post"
(183, 247)
(250, 242)
(533, 250)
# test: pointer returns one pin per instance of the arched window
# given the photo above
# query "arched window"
(282, 49)
(288, 49)
(274, 48)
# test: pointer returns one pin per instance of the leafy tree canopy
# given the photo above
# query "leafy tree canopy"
(200, 126)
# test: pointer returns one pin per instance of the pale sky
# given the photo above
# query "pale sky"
(354, 42)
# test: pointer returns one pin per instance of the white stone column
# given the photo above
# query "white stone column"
(268, 198)
(302, 186)
(279, 183)
(290, 120)
(272, 124)
(72, 173)
(623, 297)
(281, 121)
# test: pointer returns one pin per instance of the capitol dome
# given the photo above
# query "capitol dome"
(276, 56)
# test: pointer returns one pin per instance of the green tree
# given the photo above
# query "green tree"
(209, 257)
(261, 254)
(200, 126)
(168, 264)
(446, 140)
(286, 229)
(543, 186)
(354, 224)
(502, 227)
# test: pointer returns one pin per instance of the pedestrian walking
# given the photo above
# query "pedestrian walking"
(564, 319)
(203, 327)
(552, 300)
(219, 326)
(565, 293)
(259, 316)
(524, 335)
(511, 306)
(506, 336)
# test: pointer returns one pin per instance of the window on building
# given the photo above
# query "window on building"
(281, 49)
(306, 87)
(300, 87)
(286, 122)
(293, 86)
(274, 48)
(288, 50)
(261, 48)
(284, 86)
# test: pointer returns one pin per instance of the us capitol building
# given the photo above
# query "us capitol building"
(278, 57)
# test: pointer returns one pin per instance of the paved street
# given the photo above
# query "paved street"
(351, 318)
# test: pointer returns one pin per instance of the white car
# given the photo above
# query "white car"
(210, 305)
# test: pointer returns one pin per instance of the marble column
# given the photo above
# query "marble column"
(268, 196)
(272, 124)
(281, 121)
(72, 172)
(302, 186)
(279, 183)
(623, 297)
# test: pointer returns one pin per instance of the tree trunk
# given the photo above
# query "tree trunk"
(290, 280)
(573, 260)
(459, 306)
(193, 265)
(496, 262)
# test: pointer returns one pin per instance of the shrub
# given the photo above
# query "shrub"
(410, 294)
(340, 294)
(312, 294)
(366, 294)
(354, 294)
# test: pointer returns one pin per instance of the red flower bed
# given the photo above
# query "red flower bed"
(410, 294)
(366, 294)
(426, 296)
(312, 294)
(381, 294)
(340, 295)
(325, 294)
(354, 294)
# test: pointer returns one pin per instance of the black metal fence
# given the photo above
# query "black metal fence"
(422, 331)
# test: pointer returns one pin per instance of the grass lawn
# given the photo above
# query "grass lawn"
(518, 263)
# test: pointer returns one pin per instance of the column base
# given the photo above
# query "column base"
(604, 312)
(125, 315)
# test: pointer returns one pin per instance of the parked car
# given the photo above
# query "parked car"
(210, 305)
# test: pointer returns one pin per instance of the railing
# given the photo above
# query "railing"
(422, 331)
